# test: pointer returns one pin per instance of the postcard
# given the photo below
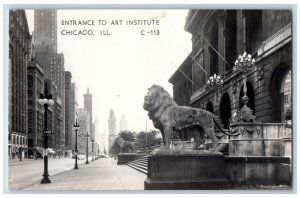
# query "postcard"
(149, 99)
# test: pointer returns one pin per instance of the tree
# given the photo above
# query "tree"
(127, 136)
(150, 138)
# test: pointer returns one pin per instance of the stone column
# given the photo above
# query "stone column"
(206, 56)
(221, 41)
(241, 32)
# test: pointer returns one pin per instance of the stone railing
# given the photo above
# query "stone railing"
(260, 139)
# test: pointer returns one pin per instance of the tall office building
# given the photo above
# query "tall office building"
(123, 123)
(45, 28)
(112, 128)
(19, 53)
(88, 105)
(74, 107)
(83, 121)
(45, 41)
(68, 111)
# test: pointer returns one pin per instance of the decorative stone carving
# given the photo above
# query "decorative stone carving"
(126, 146)
(245, 114)
(260, 73)
(234, 88)
(287, 115)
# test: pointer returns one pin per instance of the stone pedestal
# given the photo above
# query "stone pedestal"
(186, 169)
(124, 158)
(258, 170)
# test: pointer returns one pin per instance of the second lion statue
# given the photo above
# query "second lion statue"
(167, 116)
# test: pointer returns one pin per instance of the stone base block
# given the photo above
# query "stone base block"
(258, 170)
(284, 173)
(203, 184)
(124, 158)
(186, 169)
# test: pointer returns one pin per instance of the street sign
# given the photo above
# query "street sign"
(49, 132)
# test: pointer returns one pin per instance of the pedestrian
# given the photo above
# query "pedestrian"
(20, 153)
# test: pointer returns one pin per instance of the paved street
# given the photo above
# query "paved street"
(102, 174)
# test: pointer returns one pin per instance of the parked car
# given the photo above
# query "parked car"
(81, 157)
(37, 156)
(103, 156)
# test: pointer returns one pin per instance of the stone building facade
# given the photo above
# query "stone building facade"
(123, 123)
(53, 119)
(88, 105)
(69, 118)
(35, 80)
(73, 109)
(84, 123)
(19, 54)
(218, 38)
(182, 83)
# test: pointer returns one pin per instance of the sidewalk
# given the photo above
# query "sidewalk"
(18, 162)
(14, 162)
(102, 174)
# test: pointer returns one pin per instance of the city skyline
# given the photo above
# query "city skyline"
(120, 83)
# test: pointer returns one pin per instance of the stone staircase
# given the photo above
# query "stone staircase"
(140, 164)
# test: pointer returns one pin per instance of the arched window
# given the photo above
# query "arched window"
(286, 89)
(280, 91)
(225, 110)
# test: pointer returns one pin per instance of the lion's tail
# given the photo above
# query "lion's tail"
(218, 124)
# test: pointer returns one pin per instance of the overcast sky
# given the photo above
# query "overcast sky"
(118, 69)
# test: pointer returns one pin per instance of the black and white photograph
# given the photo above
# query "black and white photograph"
(149, 99)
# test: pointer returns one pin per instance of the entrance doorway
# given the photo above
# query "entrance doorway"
(225, 110)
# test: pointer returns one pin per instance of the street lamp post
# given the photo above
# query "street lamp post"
(87, 148)
(47, 101)
(76, 128)
(93, 150)
(245, 63)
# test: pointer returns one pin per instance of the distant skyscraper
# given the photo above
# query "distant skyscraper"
(123, 123)
(83, 121)
(88, 105)
(112, 128)
(97, 133)
(45, 28)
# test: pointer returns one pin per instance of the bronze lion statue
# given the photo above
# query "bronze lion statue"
(126, 146)
(168, 117)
